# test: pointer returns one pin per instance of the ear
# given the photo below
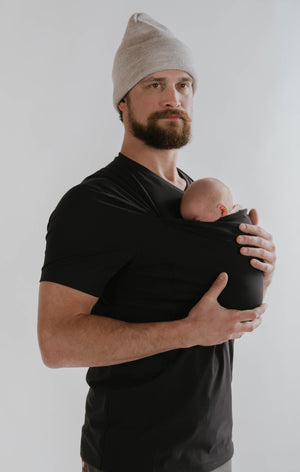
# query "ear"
(122, 104)
(222, 208)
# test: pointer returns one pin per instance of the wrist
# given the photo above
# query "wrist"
(185, 331)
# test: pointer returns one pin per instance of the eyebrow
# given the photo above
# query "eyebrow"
(163, 79)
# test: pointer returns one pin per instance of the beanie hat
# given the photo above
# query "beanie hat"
(147, 47)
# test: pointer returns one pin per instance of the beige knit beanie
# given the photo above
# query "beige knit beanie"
(147, 47)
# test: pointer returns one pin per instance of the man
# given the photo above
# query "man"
(160, 373)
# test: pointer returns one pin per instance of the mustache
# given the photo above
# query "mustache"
(166, 113)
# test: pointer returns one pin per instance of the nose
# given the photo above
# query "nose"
(171, 98)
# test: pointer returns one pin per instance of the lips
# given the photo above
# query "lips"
(170, 115)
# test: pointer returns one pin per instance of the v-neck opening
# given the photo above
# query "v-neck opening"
(146, 169)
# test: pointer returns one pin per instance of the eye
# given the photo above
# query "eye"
(154, 85)
(184, 85)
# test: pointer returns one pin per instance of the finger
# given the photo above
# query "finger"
(218, 286)
(264, 267)
(256, 241)
(258, 253)
(256, 230)
(253, 216)
(249, 326)
(243, 316)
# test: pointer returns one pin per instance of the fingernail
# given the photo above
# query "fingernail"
(221, 276)
(242, 226)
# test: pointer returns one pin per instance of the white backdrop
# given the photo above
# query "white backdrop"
(58, 125)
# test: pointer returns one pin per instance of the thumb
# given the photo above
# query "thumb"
(253, 216)
(218, 286)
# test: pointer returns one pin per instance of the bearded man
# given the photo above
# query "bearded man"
(159, 376)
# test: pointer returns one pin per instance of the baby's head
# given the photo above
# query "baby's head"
(206, 200)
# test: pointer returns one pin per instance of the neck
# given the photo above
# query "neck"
(162, 162)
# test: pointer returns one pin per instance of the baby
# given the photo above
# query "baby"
(207, 200)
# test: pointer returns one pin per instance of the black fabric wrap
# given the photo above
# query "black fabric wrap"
(170, 412)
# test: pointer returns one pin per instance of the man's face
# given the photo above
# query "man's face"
(158, 109)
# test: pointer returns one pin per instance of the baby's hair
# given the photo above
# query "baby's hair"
(206, 196)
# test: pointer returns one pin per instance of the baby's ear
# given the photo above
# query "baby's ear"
(222, 208)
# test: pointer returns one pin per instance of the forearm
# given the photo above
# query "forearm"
(84, 340)
(91, 341)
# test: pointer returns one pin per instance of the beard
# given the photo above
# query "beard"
(174, 135)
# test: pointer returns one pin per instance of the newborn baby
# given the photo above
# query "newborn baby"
(207, 200)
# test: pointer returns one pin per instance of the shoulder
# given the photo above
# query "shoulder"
(78, 199)
(82, 208)
(87, 195)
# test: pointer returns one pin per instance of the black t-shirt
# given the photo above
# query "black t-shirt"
(119, 236)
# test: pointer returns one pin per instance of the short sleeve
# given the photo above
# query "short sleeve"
(88, 241)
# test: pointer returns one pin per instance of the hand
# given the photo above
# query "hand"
(211, 324)
(262, 248)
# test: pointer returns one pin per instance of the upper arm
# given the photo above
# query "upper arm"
(57, 305)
